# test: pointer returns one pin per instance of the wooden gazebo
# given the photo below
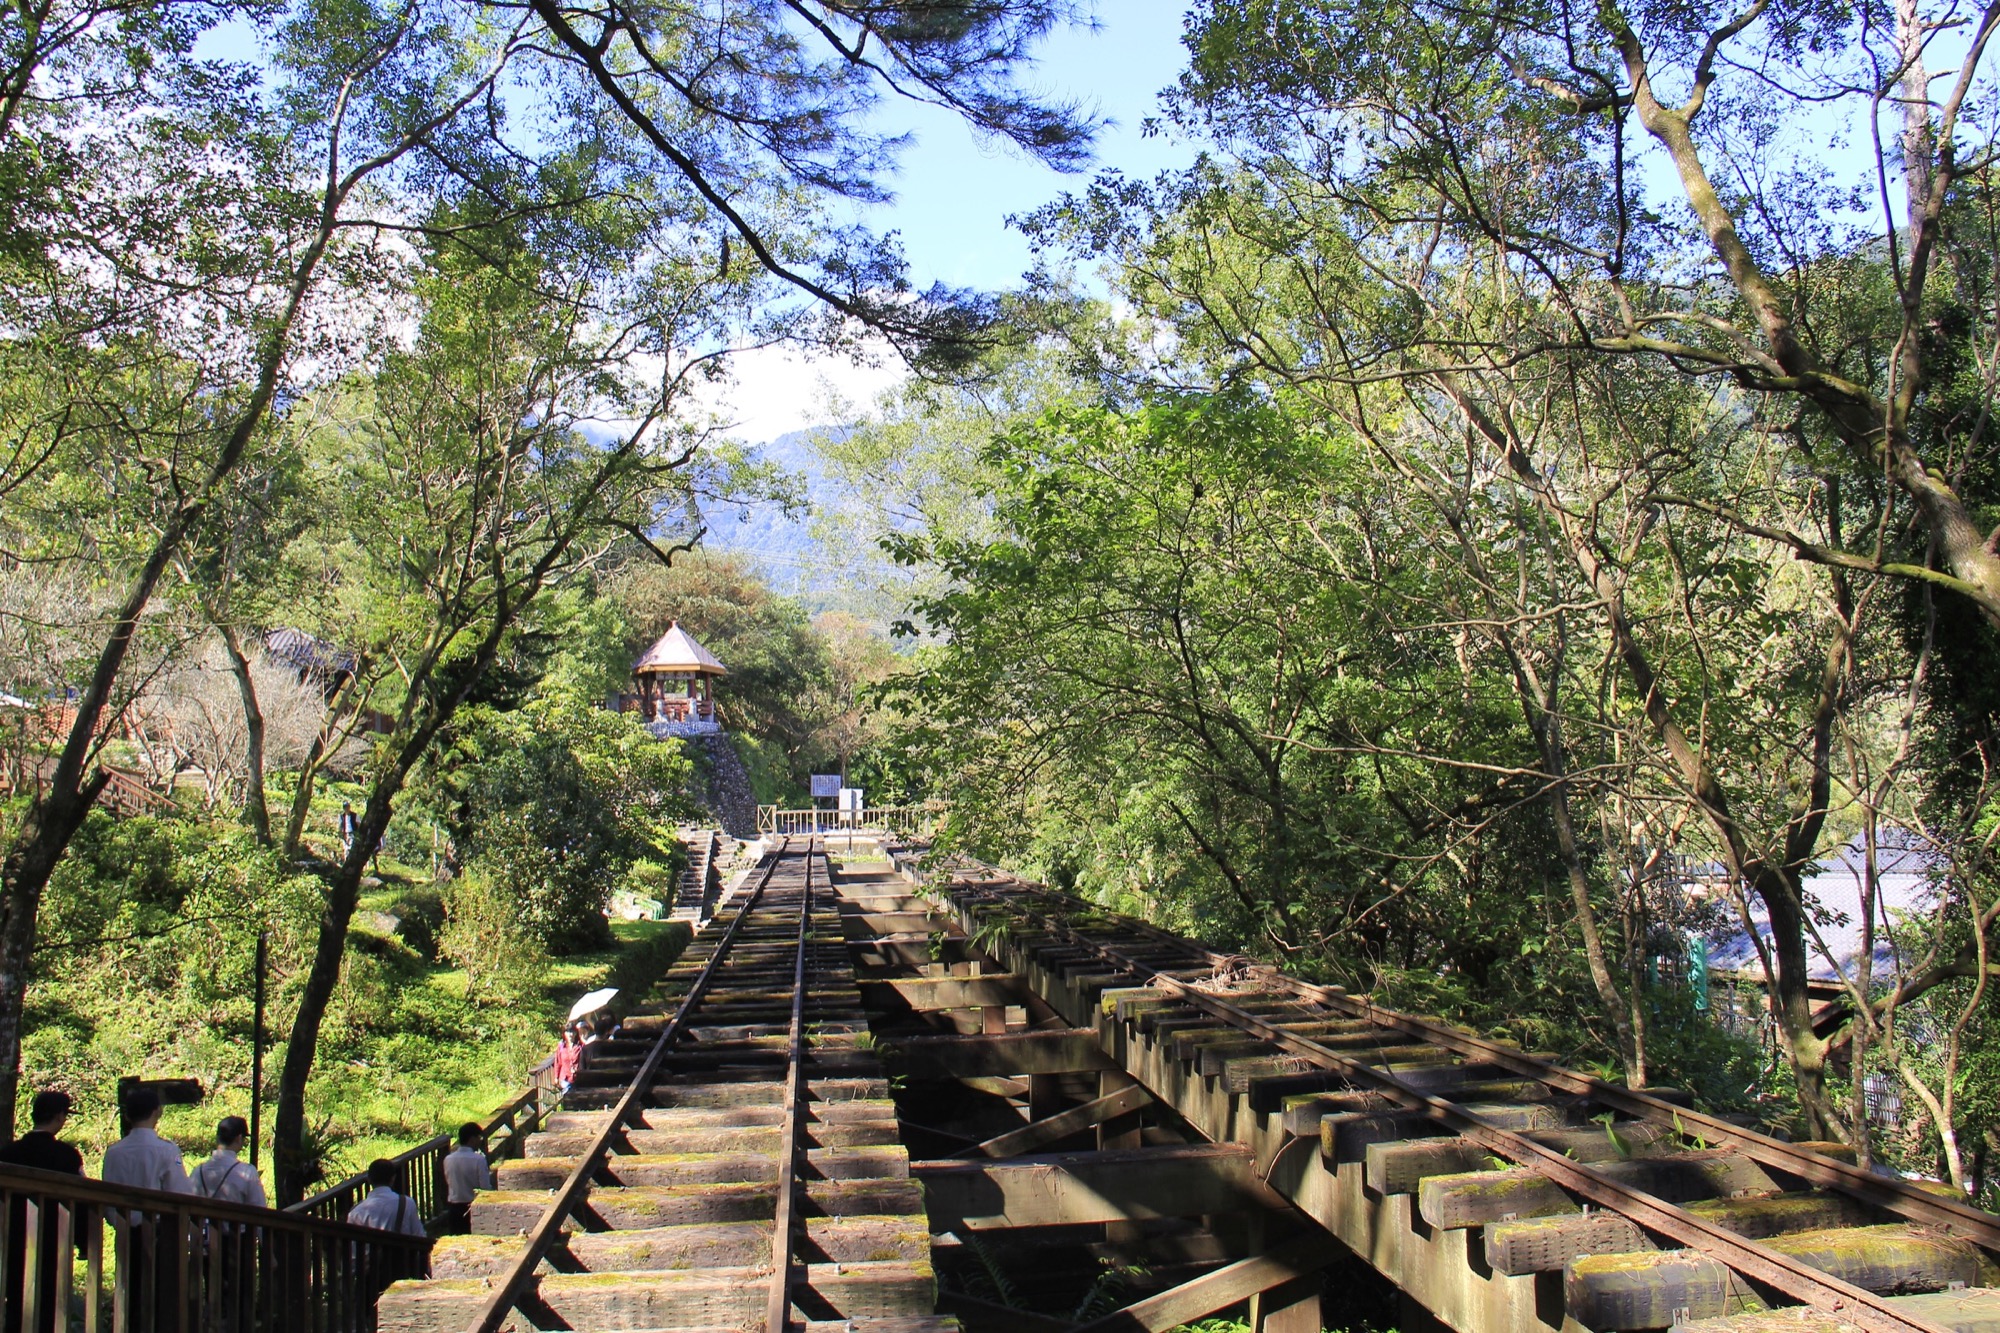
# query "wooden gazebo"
(675, 679)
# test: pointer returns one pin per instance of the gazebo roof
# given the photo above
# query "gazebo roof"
(677, 651)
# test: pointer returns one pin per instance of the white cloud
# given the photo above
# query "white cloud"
(772, 390)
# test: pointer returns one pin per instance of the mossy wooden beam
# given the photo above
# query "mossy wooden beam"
(1776, 1214)
(1396, 1168)
(1547, 1244)
(1892, 1260)
(1346, 1137)
(1642, 1290)
(1639, 1291)
(1479, 1197)
(1974, 1310)
(703, 1298)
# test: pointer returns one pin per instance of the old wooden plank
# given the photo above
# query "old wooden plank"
(1041, 1133)
(931, 994)
(1009, 1055)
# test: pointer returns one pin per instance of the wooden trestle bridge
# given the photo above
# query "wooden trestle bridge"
(880, 1099)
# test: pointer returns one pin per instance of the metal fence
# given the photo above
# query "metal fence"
(918, 821)
(81, 1255)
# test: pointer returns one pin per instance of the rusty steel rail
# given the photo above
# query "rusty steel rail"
(509, 1291)
(1894, 1196)
(1780, 1272)
(778, 1312)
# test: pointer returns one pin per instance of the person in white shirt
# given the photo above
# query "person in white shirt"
(142, 1158)
(145, 1160)
(225, 1176)
(465, 1174)
(385, 1209)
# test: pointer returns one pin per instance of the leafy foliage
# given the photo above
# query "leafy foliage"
(554, 802)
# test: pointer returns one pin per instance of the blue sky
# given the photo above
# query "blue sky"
(954, 194)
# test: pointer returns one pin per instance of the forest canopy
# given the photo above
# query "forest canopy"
(1514, 509)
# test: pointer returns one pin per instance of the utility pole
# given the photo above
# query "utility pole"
(257, 1048)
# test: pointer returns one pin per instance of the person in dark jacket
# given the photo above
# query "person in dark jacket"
(40, 1150)
(39, 1147)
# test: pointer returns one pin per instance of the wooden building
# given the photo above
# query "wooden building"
(674, 683)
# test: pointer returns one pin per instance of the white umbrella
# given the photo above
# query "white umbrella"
(592, 1002)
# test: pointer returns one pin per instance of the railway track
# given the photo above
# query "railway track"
(730, 1162)
(1621, 1210)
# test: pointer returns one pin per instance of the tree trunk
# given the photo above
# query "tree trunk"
(1776, 886)
(1874, 430)
(1547, 732)
(343, 893)
(1790, 1002)
(255, 812)
(323, 742)
(52, 821)
(424, 715)
(32, 856)
(57, 814)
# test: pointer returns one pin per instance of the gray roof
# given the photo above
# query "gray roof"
(677, 651)
(1905, 884)
(303, 652)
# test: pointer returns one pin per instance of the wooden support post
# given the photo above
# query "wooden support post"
(1029, 1138)
(1292, 1308)
(1120, 1131)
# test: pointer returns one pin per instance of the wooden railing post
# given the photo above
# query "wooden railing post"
(187, 1265)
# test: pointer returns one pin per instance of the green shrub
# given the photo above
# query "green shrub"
(485, 935)
(558, 900)
(645, 960)
(419, 910)
(650, 879)
(554, 800)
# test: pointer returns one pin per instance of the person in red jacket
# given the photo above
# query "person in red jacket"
(568, 1058)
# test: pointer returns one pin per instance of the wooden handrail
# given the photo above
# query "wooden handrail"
(180, 1261)
(421, 1169)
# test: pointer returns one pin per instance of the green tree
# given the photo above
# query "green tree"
(1419, 224)
(175, 227)
(554, 801)
(472, 491)
(1562, 152)
(142, 383)
(1156, 671)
